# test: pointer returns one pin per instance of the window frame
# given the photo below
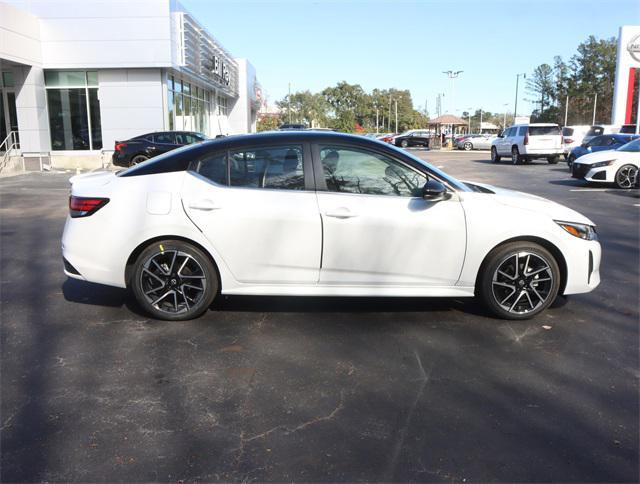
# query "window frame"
(321, 183)
(307, 166)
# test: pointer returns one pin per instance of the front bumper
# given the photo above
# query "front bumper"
(583, 267)
(588, 173)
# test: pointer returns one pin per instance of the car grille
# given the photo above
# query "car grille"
(579, 171)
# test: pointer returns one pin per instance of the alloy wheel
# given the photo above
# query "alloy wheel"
(626, 176)
(522, 282)
(173, 281)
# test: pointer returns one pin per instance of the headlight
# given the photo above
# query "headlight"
(602, 163)
(582, 231)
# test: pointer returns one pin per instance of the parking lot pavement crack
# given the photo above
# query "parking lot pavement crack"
(290, 430)
(402, 433)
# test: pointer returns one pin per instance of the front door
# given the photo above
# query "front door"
(377, 229)
(261, 215)
(8, 113)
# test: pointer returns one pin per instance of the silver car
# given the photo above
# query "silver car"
(479, 142)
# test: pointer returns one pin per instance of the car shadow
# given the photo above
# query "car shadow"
(571, 182)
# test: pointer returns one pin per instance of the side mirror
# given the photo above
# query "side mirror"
(434, 191)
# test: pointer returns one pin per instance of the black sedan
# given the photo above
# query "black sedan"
(412, 138)
(141, 148)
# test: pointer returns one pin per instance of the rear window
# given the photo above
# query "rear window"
(628, 129)
(567, 131)
(544, 130)
(595, 131)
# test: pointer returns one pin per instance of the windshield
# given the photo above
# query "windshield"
(633, 146)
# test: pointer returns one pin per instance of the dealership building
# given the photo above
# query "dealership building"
(78, 75)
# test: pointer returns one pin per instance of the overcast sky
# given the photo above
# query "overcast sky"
(407, 44)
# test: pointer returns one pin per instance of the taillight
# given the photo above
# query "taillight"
(119, 146)
(85, 206)
(526, 138)
(567, 140)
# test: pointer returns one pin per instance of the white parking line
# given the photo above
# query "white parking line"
(591, 189)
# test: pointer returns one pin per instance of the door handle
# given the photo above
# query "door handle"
(205, 205)
(341, 212)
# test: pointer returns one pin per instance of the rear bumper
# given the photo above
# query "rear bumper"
(120, 160)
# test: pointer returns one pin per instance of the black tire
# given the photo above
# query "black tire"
(492, 291)
(138, 159)
(495, 157)
(152, 269)
(515, 155)
(627, 176)
(570, 161)
(404, 143)
(553, 160)
(468, 146)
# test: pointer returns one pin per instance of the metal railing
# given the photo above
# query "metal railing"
(10, 144)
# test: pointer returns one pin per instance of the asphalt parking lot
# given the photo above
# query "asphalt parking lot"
(311, 389)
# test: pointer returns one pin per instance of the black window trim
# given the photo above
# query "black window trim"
(321, 184)
(307, 166)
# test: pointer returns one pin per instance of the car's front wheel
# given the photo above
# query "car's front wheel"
(627, 176)
(174, 280)
(495, 157)
(519, 280)
(570, 161)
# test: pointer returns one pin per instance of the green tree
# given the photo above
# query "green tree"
(268, 122)
(310, 109)
(541, 85)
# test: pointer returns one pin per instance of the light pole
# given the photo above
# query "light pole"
(480, 130)
(504, 122)
(396, 103)
(515, 107)
(452, 75)
(377, 118)
(469, 116)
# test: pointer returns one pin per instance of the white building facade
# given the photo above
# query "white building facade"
(76, 76)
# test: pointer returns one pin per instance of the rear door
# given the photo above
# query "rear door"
(162, 143)
(258, 208)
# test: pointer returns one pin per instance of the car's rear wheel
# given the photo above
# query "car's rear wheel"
(174, 280)
(495, 158)
(468, 146)
(404, 143)
(138, 159)
(627, 176)
(515, 155)
(570, 161)
(519, 280)
(553, 159)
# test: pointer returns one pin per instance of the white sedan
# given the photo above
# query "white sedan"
(319, 214)
(619, 166)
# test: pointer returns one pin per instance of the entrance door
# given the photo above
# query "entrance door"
(8, 114)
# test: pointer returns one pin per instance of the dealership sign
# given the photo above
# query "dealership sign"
(634, 47)
(220, 70)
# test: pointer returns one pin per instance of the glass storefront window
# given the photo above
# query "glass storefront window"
(64, 78)
(187, 106)
(188, 124)
(74, 110)
(7, 79)
(171, 109)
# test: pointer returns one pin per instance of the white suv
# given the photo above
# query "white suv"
(524, 142)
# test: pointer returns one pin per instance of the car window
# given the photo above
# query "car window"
(595, 131)
(186, 138)
(522, 131)
(567, 131)
(544, 130)
(352, 170)
(598, 141)
(279, 167)
(214, 167)
(165, 138)
(633, 146)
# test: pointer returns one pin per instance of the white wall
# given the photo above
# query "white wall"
(242, 119)
(102, 33)
(19, 36)
(31, 108)
(130, 103)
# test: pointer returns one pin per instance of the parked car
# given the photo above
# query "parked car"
(387, 137)
(414, 137)
(600, 129)
(619, 166)
(477, 142)
(628, 129)
(141, 148)
(599, 143)
(523, 142)
(231, 216)
(573, 136)
(290, 126)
